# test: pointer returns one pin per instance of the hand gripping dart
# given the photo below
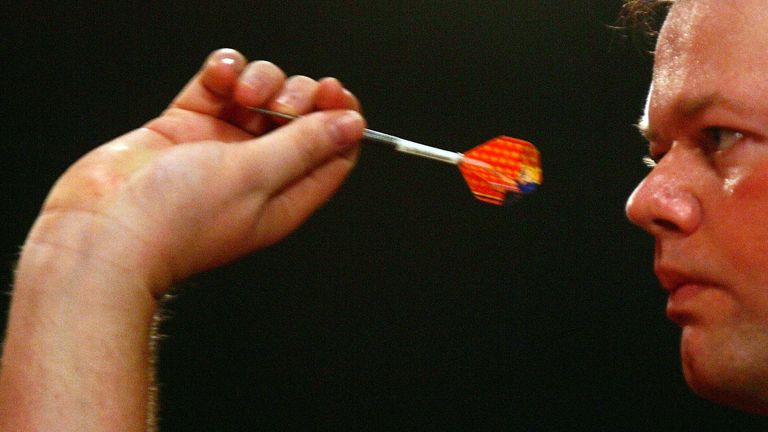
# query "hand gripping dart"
(492, 170)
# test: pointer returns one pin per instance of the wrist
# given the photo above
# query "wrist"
(89, 240)
(77, 277)
(81, 319)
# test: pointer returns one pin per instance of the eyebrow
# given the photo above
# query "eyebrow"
(685, 109)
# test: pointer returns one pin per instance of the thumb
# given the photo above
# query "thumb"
(291, 152)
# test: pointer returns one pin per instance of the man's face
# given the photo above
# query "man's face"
(706, 200)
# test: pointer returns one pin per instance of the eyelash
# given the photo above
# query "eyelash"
(649, 162)
(712, 138)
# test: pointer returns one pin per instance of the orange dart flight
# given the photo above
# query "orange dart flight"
(493, 170)
(500, 166)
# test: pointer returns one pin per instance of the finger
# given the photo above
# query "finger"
(206, 109)
(291, 152)
(293, 96)
(296, 97)
(331, 94)
(304, 95)
(284, 212)
(262, 82)
(259, 83)
(209, 92)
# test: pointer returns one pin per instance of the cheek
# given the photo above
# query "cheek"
(746, 204)
(743, 228)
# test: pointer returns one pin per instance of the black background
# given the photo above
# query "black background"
(403, 304)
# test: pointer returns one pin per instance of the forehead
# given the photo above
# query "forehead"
(712, 47)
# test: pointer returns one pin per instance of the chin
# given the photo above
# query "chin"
(743, 399)
(720, 374)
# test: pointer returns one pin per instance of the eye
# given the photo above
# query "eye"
(721, 139)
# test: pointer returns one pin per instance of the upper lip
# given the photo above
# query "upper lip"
(672, 277)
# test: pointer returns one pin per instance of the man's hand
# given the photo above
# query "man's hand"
(206, 182)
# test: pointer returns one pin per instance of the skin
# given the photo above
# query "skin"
(203, 184)
(706, 200)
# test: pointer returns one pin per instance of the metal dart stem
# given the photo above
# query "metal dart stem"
(396, 143)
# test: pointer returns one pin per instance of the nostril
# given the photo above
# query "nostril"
(666, 225)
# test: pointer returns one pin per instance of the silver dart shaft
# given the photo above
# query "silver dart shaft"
(396, 143)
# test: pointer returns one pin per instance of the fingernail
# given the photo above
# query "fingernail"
(286, 103)
(347, 128)
(225, 56)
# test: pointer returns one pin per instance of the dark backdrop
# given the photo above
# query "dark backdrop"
(403, 304)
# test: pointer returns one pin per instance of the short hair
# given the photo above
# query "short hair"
(641, 20)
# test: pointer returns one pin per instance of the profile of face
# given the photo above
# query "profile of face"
(706, 200)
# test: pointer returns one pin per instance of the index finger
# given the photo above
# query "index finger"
(209, 91)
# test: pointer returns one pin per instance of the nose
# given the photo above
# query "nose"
(665, 202)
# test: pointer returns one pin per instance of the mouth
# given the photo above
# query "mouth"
(684, 302)
(681, 303)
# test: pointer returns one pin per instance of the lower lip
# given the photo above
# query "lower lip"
(680, 302)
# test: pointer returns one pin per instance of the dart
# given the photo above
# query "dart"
(498, 171)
